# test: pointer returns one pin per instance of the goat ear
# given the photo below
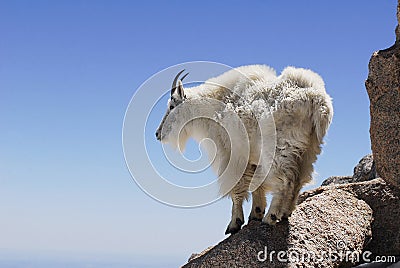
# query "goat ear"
(179, 92)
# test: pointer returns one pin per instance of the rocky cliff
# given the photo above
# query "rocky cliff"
(383, 87)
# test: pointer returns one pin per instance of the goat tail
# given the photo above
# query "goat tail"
(322, 118)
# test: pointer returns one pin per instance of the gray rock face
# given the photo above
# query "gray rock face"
(383, 87)
(365, 169)
(384, 200)
(337, 180)
(398, 26)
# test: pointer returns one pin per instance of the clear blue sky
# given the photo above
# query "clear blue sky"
(68, 70)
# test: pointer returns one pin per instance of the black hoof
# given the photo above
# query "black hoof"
(257, 214)
(236, 228)
(232, 231)
(239, 222)
(273, 219)
(285, 218)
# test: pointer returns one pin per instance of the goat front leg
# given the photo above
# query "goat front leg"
(259, 204)
(237, 218)
(238, 194)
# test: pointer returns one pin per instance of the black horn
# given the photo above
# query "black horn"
(174, 84)
(183, 77)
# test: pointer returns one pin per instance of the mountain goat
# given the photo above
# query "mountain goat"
(301, 110)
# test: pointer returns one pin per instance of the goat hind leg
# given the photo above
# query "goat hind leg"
(305, 176)
(279, 203)
(289, 199)
(274, 212)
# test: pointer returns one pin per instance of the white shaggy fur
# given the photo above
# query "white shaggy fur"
(295, 101)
